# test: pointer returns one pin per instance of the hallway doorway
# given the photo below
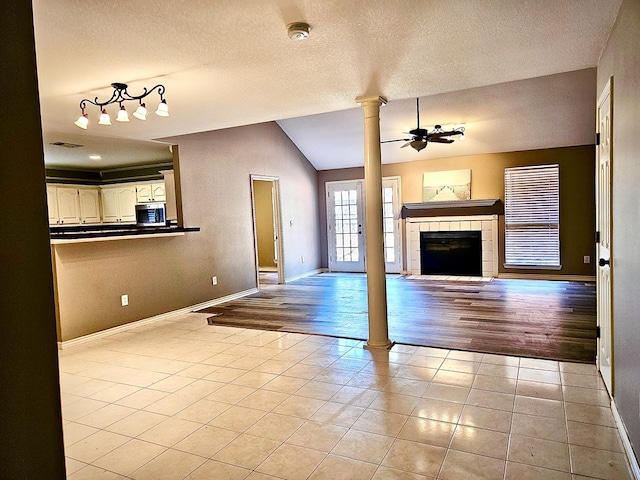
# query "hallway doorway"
(267, 230)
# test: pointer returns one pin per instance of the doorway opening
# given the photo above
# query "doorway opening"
(267, 230)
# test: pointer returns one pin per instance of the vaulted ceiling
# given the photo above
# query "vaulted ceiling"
(230, 62)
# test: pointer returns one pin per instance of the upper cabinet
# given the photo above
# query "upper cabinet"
(63, 204)
(89, 199)
(68, 205)
(85, 204)
(151, 192)
(52, 204)
(119, 203)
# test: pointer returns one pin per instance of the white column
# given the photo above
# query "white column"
(374, 236)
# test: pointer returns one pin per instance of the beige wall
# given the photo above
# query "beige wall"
(577, 200)
(621, 59)
(164, 274)
(262, 194)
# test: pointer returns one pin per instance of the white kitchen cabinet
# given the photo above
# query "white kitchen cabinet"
(89, 200)
(63, 205)
(151, 192)
(52, 204)
(158, 192)
(119, 204)
(127, 199)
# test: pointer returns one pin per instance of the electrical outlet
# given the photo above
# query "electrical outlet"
(214, 280)
(587, 259)
(124, 299)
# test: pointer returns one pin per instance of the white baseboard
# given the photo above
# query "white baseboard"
(543, 276)
(631, 456)
(303, 275)
(146, 321)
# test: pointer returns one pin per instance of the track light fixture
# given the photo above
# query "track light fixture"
(119, 96)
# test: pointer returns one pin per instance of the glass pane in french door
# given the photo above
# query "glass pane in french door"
(388, 224)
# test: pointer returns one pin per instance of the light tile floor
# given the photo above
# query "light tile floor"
(181, 399)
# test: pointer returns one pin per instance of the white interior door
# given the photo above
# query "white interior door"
(345, 226)
(276, 239)
(603, 224)
(391, 224)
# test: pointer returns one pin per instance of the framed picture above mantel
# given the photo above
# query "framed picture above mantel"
(449, 185)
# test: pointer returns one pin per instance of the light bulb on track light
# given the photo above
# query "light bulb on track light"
(163, 109)
(104, 118)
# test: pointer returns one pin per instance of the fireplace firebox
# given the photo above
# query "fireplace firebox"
(451, 253)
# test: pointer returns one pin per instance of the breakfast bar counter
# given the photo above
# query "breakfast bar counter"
(96, 233)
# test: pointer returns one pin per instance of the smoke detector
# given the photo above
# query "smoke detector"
(298, 31)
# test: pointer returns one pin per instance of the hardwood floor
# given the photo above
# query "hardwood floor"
(532, 318)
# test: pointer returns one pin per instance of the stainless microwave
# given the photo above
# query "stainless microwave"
(151, 214)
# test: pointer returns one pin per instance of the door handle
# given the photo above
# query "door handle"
(602, 262)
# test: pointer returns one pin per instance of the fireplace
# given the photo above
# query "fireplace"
(485, 225)
(451, 253)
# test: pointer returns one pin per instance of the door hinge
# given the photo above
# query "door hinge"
(598, 331)
(597, 139)
(597, 237)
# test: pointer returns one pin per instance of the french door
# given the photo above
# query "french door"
(345, 220)
(391, 224)
(345, 225)
(603, 225)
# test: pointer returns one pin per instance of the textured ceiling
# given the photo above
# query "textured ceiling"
(229, 62)
(543, 112)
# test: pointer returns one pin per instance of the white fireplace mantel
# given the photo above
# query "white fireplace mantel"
(487, 224)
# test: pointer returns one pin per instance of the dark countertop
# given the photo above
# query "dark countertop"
(108, 231)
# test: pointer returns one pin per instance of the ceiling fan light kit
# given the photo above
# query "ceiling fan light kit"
(422, 136)
(119, 96)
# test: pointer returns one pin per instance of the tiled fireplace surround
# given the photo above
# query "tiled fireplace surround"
(487, 224)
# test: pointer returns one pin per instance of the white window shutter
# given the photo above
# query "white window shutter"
(532, 216)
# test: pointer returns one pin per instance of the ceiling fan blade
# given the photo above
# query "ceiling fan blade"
(440, 140)
(406, 144)
(438, 134)
(443, 133)
(397, 140)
